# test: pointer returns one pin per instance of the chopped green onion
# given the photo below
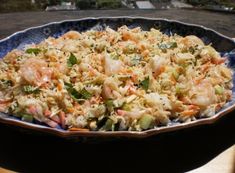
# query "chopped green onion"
(118, 103)
(191, 50)
(177, 90)
(73, 60)
(30, 89)
(73, 92)
(135, 60)
(130, 49)
(68, 85)
(33, 50)
(114, 55)
(85, 94)
(18, 115)
(146, 122)
(145, 84)
(175, 74)
(219, 90)
(126, 107)
(77, 95)
(109, 104)
(170, 45)
(27, 118)
(108, 125)
(114, 104)
(123, 77)
(5, 83)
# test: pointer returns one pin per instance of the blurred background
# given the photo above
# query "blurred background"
(58, 5)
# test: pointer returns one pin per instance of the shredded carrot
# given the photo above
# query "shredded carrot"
(205, 67)
(92, 72)
(185, 100)
(111, 39)
(5, 101)
(145, 53)
(47, 112)
(159, 71)
(152, 40)
(193, 107)
(134, 77)
(141, 47)
(62, 119)
(51, 123)
(219, 106)
(132, 90)
(189, 112)
(95, 100)
(3, 106)
(173, 79)
(56, 119)
(99, 34)
(74, 79)
(70, 109)
(199, 79)
(46, 85)
(78, 129)
(218, 61)
(59, 86)
(32, 109)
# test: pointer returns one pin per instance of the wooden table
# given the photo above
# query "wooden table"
(208, 148)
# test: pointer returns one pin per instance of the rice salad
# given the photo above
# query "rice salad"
(128, 79)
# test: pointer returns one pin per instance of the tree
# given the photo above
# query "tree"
(54, 2)
(85, 4)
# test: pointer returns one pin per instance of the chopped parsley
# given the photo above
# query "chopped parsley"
(145, 84)
(33, 50)
(165, 46)
(5, 83)
(28, 89)
(72, 60)
(77, 95)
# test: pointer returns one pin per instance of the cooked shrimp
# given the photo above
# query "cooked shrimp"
(191, 41)
(71, 35)
(112, 66)
(157, 65)
(134, 114)
(182, 58)
(11, 56)
(35, 71)
(110, 88)
(203, 94)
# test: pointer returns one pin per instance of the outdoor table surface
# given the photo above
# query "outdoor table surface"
(207, 148)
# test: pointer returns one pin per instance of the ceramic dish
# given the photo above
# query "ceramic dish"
(221, 43)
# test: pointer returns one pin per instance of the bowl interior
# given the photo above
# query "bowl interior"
(37, 34)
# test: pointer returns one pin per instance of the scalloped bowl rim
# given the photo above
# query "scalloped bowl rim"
(131, 134)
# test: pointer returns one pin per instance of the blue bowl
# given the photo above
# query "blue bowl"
(223, 44)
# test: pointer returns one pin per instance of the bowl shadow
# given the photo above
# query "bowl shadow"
(177, 151)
